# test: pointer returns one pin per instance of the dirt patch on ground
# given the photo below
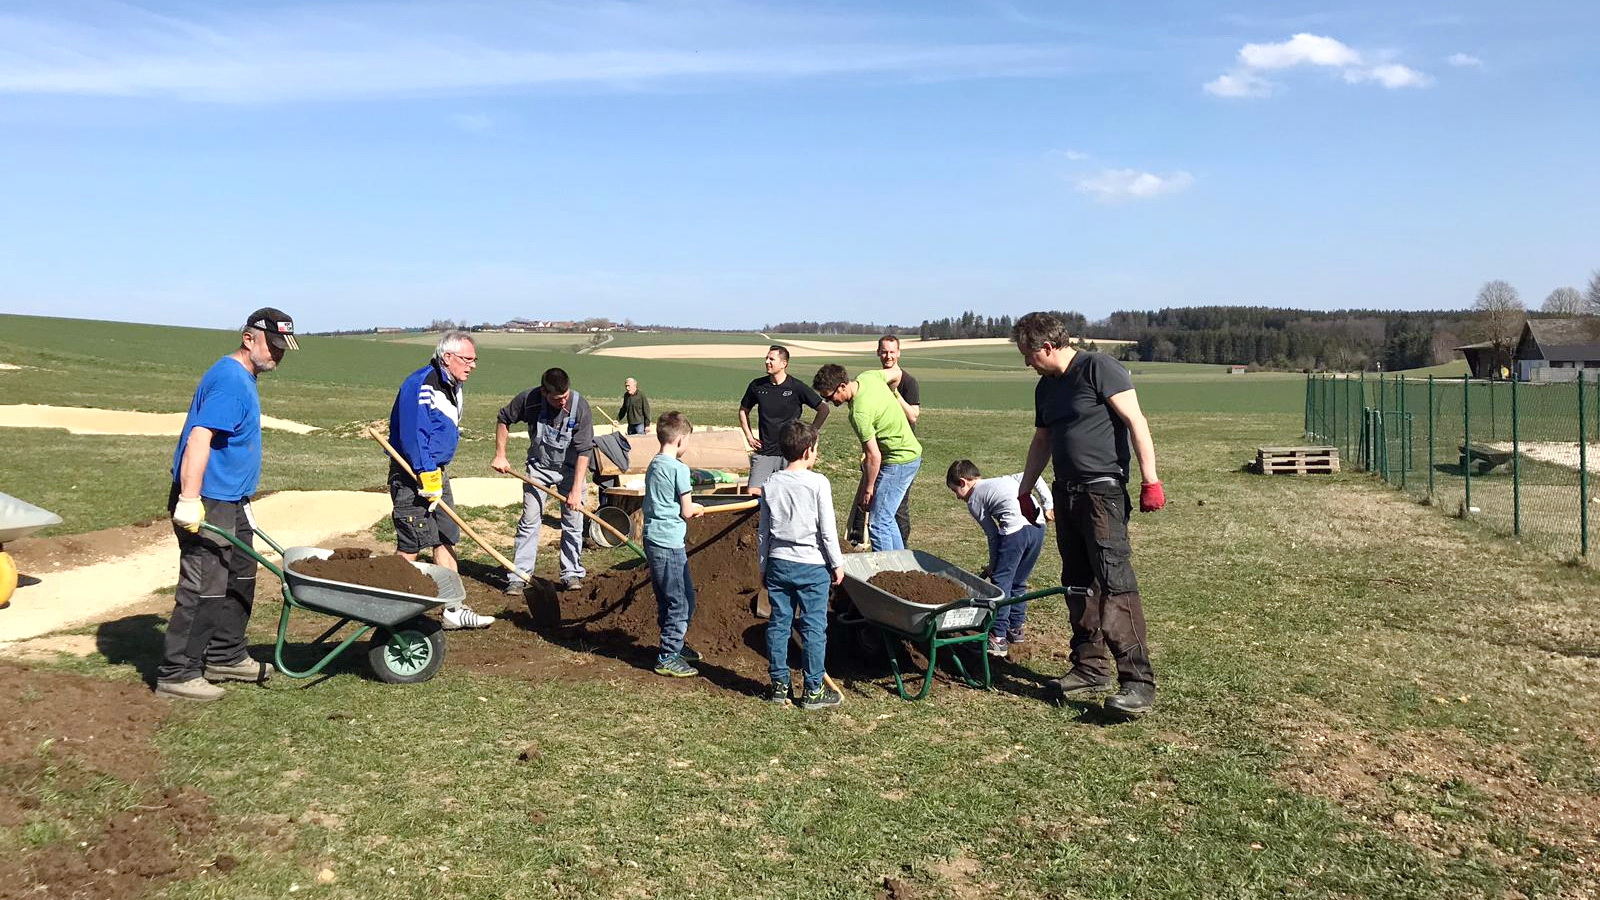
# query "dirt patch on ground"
(88, 420)
(392, 573)
(919, 587)
(61, 735)
(1443, 793)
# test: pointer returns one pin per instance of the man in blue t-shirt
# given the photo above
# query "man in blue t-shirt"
(215, 470)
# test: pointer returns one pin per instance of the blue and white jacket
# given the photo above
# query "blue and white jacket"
(425, 423)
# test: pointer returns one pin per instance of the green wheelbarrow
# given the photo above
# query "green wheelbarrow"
(407, 647)
(929, 626)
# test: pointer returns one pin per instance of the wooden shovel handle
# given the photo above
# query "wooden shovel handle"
(743, 506)
(460, 522)
(586, 514)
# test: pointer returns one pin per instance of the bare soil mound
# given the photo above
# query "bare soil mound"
(392, 573)
(59, 735)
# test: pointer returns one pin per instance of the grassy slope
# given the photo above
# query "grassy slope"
(1344, 704)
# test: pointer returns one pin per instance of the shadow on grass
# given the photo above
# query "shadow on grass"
(135, 641)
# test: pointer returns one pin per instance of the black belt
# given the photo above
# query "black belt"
(1093, 486)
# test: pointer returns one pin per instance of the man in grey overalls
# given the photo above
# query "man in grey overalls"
(561, 437)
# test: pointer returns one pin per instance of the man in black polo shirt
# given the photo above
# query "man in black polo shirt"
(1085, 413)
(909, 393)
(779, 400)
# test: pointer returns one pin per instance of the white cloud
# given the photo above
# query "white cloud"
(1122, 185)
(1464, 60)
(1300, 50)
(1390, 75)
(1239, 83)
(1246, 80)
(341, 50)
(1075, 155)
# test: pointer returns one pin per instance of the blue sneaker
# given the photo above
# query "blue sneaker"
(778, 692)
(820, 697)
(690, 654)
(675, 667)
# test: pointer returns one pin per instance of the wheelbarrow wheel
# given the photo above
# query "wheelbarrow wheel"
(409, 653)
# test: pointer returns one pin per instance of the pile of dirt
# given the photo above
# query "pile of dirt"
(919, 587)
(392, 573)
(60, 735)
(618, 608)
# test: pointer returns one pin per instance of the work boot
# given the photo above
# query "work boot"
(1077, 685)
(194, 689)
(246, 669)
(459, 617)
(778, 692)
(1134, 700)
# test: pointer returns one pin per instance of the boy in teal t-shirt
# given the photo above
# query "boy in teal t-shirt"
(666, 508)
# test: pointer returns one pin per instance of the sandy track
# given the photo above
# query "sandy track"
(88, 420)
(98, 591)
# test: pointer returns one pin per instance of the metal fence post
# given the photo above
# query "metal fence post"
(1430, 438)
(1405, 429)
(1583, 472)
(1466, 445)
(1516, 466)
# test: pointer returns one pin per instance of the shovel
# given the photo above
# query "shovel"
(460, 522)
(586, 514)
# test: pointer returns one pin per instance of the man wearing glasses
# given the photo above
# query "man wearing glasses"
(1086, 415)
(893, 452)
(425, 426)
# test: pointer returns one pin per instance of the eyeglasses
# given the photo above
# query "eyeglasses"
(465, 359)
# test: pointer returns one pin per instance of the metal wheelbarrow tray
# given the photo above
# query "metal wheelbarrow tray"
(931, 626)
(406, 647)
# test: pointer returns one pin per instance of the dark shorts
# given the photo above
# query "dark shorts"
(415, 528)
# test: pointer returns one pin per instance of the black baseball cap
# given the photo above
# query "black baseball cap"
(278, 326)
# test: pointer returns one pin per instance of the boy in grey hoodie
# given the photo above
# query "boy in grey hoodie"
(1014, 541)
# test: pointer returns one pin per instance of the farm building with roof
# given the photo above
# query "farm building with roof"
(1559, 349)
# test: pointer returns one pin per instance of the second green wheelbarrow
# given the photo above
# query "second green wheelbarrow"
(407, 646)
(925, 625)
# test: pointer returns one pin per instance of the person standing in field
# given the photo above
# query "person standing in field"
(1086, 413)
(893, 452)
(425, 428)
(215, 470)
(668, 505)
(560, 440)
(635, 410)
(909, 393)
(778, 400)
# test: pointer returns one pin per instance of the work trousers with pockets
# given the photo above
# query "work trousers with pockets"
(1108, 630)
(216, 592)
(532, 523)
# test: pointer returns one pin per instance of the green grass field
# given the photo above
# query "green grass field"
(1359, 696)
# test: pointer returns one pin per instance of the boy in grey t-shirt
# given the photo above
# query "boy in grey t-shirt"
(1014, 541)
(666, 508)
(799, 554)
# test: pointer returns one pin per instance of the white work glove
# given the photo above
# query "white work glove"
(188, 514)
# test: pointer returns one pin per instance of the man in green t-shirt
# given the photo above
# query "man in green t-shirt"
(893, 452)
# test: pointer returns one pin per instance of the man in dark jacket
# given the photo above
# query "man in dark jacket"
(635, 411)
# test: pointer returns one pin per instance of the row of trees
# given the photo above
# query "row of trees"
(833, 328)
(1501, 311)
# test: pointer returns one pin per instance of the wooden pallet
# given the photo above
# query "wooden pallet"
(1297, 460)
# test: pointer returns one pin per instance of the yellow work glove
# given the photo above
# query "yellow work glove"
(188, 514)
(432, 486)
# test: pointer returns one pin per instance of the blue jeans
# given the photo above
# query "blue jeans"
(639, 428)
(891, 487)
(1010, 564)
(669, 575)
(793, 586)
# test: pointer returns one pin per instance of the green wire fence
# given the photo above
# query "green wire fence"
(1513, 456)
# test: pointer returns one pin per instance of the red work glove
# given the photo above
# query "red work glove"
(1029, 511)
(1151, 496)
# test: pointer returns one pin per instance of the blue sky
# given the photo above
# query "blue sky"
(729, 163)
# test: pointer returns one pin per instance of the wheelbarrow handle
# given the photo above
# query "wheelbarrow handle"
(1040, 594)
(231, 538)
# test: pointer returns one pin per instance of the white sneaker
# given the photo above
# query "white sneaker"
(460, 617)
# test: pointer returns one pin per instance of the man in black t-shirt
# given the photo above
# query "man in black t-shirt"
(909, 393)
(778, 399)
(1085, 415)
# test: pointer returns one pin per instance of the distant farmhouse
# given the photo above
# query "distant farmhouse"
(1559, 349)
